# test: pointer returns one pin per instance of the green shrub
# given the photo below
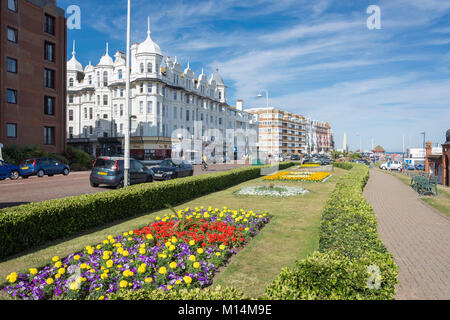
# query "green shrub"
(78, 159)
(27, 226)
(348, 246)
(16, 155)
(343, 165)
(216, 293)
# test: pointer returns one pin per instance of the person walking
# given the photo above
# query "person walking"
(204, 163)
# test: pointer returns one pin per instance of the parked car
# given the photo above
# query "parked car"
(43, 166)
(8, 170)
(110, 171)
(168, 169)
(362, 161)
(312, 160)
(295, 157)
(394, 165)
(419, 167)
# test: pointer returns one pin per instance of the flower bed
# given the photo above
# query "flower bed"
(276, 191)
(310, 165)
(181, 250)
(299, 176)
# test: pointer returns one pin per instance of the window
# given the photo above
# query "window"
(12, 35)
(149, 68)
(105, 100)
(150, 88)
(158, 108)
(91, 113)
(187, 115)
(49, 106)
(141, 88)
(175, 112)
(12, 5)
(49, 26)
(174, 95)
(11, 96)
(49, 52)
(98, 100)
(71, 82)
(70, 132)
(105, 78)
(121, 110)
(120, 74)
(141, 107)
(91, 130)
(85, 113)
(105, 116)
(11, 130)
(70, 115)
(121, 92)
(90, 79)
(149, 106)
(49, 78)
(49, 136)
(115, 109)
(142, 68)
(11, 65)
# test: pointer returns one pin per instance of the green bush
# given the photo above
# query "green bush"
(349, 250)
(216, 293)
(78, 159)
(16, 155)
(27, 226)
(343, 165)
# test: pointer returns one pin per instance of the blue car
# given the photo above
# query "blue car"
(420, 167)
(9, 171)
(43, 166)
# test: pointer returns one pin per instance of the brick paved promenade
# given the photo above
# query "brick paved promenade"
(417, 236)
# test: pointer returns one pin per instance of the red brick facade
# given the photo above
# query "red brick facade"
(27, 114)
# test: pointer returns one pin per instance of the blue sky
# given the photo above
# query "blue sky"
(315, 58)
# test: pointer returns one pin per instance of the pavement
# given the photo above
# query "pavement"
(34, 189)
(417, 236)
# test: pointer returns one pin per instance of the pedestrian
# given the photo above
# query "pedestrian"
(204, 163)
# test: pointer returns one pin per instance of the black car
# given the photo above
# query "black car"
(110, 171)
(295, 157)
(169, 169)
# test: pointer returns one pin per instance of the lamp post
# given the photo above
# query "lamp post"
(267, 97)
(360, 142)
(126, 180)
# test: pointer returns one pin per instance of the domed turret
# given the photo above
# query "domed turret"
(73, 64)
(106, 60)
(148, 46)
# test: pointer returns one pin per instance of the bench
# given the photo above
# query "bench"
(424, 185)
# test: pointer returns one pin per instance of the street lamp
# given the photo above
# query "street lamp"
(126, 179)
(267, 97)
(360, 142)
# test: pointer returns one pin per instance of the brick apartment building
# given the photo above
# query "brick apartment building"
(33, 54)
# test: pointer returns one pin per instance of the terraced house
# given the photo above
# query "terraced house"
(164, 99)
(33, 74)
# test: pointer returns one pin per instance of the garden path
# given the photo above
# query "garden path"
(417, 236)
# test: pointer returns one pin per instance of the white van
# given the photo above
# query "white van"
(393, 165)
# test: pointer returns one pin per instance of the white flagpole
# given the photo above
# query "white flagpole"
(127, 112)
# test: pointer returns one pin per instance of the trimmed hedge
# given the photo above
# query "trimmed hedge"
(343, 165)
(350, 252)
(216, 293)
(28, 226)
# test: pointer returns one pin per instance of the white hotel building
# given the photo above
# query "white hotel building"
(163, 99)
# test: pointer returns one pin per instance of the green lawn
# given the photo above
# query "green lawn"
(441, 203)
(292, 234)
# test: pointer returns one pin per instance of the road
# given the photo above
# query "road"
(34, 189)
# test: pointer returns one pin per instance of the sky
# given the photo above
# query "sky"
(315, 58)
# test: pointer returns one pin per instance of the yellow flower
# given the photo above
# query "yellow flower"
(77, 257)
(218, 254)
(178, 282)
(192, 242)
(188, 280)
(109, 263)
(148, 280)
(142, 269)
(104, 276)
(101, 298)
(222, 247)
(173, 265)
(199, 250)
(123, 284)
(169, 287)
(125, 253)
(142, 251)
(149, 237)
(49, 281)
(62, 271)
(196, 265)
(172, 248)
(125, 234)
(12, 277)
(57, 276)
(74, 286)
(192, 258)
(33, 271)
(130, 232)
(162, 270)
(55, 258)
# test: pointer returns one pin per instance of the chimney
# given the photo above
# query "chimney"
(240, 105)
